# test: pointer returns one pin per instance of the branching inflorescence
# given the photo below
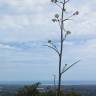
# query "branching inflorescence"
(63, 35)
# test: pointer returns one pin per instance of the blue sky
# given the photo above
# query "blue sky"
(25, 25)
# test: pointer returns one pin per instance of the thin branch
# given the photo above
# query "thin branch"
(70, 16)
(64, 38)
(59, 23)
(67, 1)
(66, 19)
(63, 29)
(60, 2)
(63, 69)
(54, 46)
(59, 6)
(56, 50)
(70, 66)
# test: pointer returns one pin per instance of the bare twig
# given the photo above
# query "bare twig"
(67, 1)
(56, 50)
(64, 38)
(59, 6)
(54, 45)
(70, 66)
(67, 19)
(60, 2)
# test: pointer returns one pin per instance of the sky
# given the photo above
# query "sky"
(26, 25)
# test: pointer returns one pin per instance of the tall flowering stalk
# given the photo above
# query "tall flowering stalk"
(63, 35)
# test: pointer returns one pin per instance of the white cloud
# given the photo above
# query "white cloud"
(82, 26)
(30, 20)
(6, 46)
(25, 5)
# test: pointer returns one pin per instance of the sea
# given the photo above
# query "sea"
(85, 88)
(48, 82)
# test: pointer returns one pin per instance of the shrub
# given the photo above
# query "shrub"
(29, 90)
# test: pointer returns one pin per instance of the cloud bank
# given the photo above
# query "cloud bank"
(25, 25)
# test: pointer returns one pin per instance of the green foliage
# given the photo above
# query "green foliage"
(29, 90)
(72, 94)
(51, 93)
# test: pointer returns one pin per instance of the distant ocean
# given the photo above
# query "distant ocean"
(48, 82)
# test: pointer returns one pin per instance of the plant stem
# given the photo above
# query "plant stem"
(61, 50)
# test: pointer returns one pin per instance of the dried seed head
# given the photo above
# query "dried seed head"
(76, 13)
(64, 9)
(54, 20)
(49, 41)
(68, 32)
(53, 1)
(57, 16)
(66, 64)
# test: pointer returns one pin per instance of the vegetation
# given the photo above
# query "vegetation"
(78, 90)
(63, 35)
(33, 91)
(29, 90)
(72, 94)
